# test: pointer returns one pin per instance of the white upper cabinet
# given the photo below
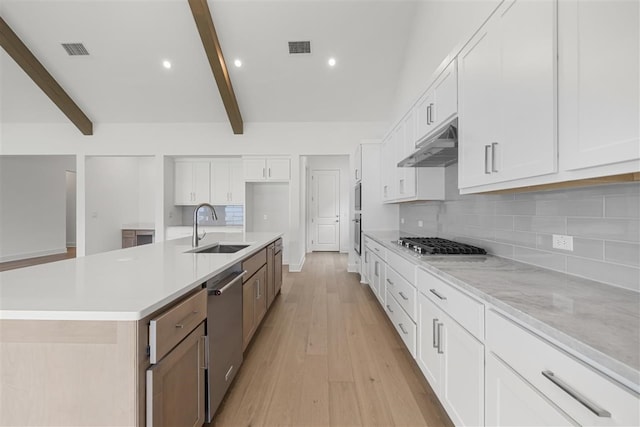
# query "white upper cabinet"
(191, 182)
(599, 92)
(227, 183)
(358, 164)
(266, 169)
(507, 96)
(438, 105)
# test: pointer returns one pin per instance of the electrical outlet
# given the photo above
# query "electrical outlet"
(563, 242)
(401, 220)
(420, 223)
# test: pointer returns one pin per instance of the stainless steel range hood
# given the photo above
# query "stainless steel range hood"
(438, 150)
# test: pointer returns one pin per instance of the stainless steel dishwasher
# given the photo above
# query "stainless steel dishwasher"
(224, 332)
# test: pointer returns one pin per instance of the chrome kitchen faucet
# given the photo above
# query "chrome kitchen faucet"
(195, 239)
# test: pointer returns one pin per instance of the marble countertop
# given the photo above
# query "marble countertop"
(590, 319)
(126, 284)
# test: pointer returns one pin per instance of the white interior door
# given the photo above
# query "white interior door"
(325, 210)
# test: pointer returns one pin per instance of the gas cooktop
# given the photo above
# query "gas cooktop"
(438, 246)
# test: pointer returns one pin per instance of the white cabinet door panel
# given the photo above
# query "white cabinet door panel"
(255, 169)
(201, 182)
(183, 179)
(220, 182)
(462, 374)
(527, 144)
(599, 86)
(236, 185)
(427, 354)
(511, 401)
(278, 169)
(479, 106)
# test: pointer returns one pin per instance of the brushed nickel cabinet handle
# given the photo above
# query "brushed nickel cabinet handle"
(390, 282)
(182, 322)
(494, 148)
(486, 159)
(403, 329)
(440, 350)
(433, 291)
(596, 409)
(435, 341)
(431, 108)
(389, 308)
(404, 297)
(269, 172)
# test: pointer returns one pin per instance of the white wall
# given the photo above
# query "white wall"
(196, 139)
(340, 163)
(440, 29)
(112, 192)
(33, 205)
(70, 178)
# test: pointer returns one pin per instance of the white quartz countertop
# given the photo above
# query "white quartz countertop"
(125, 284)
(591, 319)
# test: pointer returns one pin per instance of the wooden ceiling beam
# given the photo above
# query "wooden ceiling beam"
(202, 16)
(20, 53)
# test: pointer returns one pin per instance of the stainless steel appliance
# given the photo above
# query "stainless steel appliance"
(437, 150)
(358, 196)
(224, 332)
(438, 246)
(357, 232)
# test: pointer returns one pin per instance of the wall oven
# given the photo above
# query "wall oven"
(357, 232)
(358, 197)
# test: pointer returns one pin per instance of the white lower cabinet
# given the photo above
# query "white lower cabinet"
(511, 401)
(452, 360)
(577, 389)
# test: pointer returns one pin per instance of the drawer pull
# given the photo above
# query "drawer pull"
(435, 342)
(181, 324)
(577, 396)
(376, 249)
(389, 308)
(404, 297)
(403, 329)
(390, 282)
(433, 291)
(440, 350)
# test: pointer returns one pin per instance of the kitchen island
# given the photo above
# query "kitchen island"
(73, 334)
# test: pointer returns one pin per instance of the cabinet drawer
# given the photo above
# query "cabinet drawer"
(376, 248)
(576, 388)
(128, 233)
(402, 322)
(403, 291)
(254, 263)
(406, 268)
(463, 309)
(170, 327)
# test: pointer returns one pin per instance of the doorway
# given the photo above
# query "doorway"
(325, 210)
(70, 177)
(327, 200)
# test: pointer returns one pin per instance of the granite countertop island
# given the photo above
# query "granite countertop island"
(122, 285)
(591, 319)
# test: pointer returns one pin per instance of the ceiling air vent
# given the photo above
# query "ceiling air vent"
(299, 47)
(75, 49)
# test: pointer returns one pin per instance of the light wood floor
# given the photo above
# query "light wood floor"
(326, 355)
(11, 265)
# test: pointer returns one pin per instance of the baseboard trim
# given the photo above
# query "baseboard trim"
(28, 255)
(297, 268)
(352, 268)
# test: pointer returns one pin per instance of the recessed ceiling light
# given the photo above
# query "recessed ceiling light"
(332, 62)
(166, 64)
(237, 63)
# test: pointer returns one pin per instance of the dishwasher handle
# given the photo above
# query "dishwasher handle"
(221, 291)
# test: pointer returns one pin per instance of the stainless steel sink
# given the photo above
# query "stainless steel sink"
(221, 249)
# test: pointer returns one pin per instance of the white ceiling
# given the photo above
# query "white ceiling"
(123, 81)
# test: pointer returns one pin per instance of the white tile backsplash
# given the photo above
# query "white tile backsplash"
(604, 221)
